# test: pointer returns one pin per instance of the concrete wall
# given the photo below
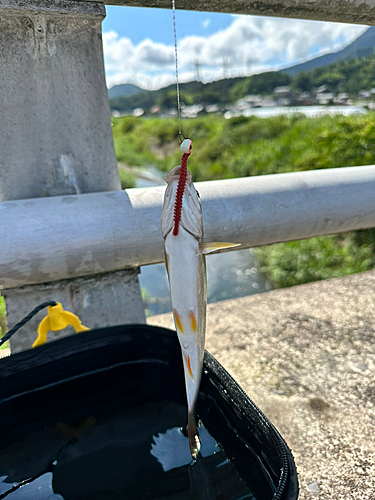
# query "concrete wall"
(55, 128)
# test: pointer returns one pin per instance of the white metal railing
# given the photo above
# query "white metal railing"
(48, 239)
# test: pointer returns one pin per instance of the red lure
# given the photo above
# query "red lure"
(181, 187)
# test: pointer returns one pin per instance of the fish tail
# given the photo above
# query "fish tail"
(193, 435)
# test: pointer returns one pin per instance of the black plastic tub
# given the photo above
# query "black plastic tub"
(101, 415)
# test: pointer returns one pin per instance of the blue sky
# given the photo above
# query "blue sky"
(139, 44)
(138, 23)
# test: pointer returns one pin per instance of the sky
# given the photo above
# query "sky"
(139, 44)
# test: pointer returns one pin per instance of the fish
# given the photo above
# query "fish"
(185, 250)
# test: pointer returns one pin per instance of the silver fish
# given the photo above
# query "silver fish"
(182, 229)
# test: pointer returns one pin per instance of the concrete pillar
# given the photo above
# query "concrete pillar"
(55, 128)
(56, 139)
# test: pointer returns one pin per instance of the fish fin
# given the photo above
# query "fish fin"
(206, 248)
(193, 435)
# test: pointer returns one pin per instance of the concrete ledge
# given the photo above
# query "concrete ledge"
(346, 11)
(63, 6)
(306, 356)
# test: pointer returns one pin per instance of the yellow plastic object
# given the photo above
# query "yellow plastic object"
(57, 319)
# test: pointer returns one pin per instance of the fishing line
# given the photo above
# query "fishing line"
(176, 59)
(185, 142)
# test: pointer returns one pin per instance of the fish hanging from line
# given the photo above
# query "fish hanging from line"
(182, 229)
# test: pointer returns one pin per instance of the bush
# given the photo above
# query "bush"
(127, 179)
(314, 259)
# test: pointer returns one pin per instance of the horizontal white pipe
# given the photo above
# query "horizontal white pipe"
(47, 239)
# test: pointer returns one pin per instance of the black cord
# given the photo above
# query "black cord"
(184, 138)
(25, 320)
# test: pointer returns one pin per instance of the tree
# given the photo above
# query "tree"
(302, 82)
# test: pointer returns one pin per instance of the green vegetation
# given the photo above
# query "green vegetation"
(262, 84)
(126, 178)
(3, 322)
(297, 262)
(190, 93)
(241, 147)
(345, 76)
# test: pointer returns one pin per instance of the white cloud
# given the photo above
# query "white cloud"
(121, 54)
(206, 23)
(250, 44)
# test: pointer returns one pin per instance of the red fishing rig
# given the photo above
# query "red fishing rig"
(186, 150)
(185, 144)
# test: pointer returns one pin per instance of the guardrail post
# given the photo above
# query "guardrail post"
(56, 138)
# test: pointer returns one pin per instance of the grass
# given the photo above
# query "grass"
(127, 179)
(304, 261)
(249, 146)
(3, 322)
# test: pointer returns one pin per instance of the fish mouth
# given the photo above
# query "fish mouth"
(193, 435)
(174, 175)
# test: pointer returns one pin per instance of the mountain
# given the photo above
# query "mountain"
(347, 71)
(362, 46)
(219, 92)
(124, 90)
